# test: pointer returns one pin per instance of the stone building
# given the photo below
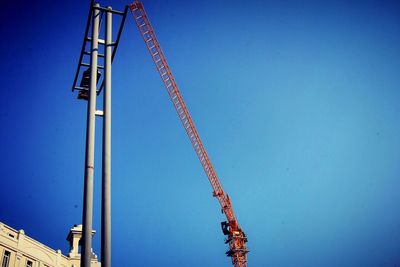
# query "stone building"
(20, 250)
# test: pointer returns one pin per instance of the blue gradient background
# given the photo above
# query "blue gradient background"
(297, 103)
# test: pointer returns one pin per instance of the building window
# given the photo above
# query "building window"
(6, 258)
(29, 263)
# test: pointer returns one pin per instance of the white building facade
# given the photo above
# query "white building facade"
(20, 250)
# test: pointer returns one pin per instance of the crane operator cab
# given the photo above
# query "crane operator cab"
(225, 228)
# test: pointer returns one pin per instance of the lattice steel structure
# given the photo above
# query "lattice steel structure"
(236, 237)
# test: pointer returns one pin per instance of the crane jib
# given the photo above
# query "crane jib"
(235, 236)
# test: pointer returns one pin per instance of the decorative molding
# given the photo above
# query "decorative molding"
(39, 253)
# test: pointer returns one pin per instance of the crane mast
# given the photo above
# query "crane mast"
(236, 238)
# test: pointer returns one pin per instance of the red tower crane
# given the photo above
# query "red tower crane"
(236, 238)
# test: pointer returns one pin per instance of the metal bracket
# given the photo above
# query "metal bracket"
(88, 38)
(99, 113)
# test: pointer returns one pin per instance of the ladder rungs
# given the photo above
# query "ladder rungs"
(81, 88)
(88, 53)
(141, 25)
(84, 89)
(100, 41)
(88, 65)
(109, 10)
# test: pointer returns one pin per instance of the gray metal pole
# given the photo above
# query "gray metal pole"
(89, 161)
(106, 184)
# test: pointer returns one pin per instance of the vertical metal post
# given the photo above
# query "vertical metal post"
(89, 157)
(106, 184)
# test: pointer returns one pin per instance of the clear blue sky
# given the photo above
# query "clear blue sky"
(297, 103)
